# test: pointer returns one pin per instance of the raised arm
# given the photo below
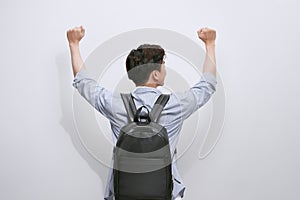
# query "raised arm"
(202, 91)
(208, 36)
(74, 36)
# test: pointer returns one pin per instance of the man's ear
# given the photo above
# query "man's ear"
(155, 75)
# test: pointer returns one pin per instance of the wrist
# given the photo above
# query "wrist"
(210, 44)
(73, 44)
(210, 47)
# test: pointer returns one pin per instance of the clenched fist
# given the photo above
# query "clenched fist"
(207, 35)
(74, 35)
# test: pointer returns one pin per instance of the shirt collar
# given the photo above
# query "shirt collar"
(144, 89)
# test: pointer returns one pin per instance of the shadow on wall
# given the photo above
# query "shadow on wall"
(67, 119)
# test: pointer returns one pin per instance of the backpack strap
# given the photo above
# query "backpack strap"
(159, 106)
(129, 105)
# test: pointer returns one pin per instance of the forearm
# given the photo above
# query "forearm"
(210, 60)
(77, 62)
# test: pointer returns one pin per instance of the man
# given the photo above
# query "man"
(146, 68)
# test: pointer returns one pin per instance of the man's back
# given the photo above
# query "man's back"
(179, 107)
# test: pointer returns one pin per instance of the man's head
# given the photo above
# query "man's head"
(145, 65)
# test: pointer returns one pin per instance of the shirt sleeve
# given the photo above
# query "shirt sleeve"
(97, 96)
(204, 89)
(198, 95)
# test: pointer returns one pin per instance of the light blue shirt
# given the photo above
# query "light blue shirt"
(179, 107)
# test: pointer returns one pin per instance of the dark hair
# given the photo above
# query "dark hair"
(142, 61)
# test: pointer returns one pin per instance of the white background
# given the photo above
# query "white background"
(258, 154)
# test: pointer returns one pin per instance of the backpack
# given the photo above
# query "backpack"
(142, 159)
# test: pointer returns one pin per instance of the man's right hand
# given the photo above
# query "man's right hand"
(207, 35)
(74, 35)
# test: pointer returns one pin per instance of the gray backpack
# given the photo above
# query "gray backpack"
(142, 158)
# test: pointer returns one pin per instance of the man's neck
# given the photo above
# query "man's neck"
(153, 85)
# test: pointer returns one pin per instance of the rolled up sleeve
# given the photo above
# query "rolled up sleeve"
(196, 96)
(89, 89)
(204, 89)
